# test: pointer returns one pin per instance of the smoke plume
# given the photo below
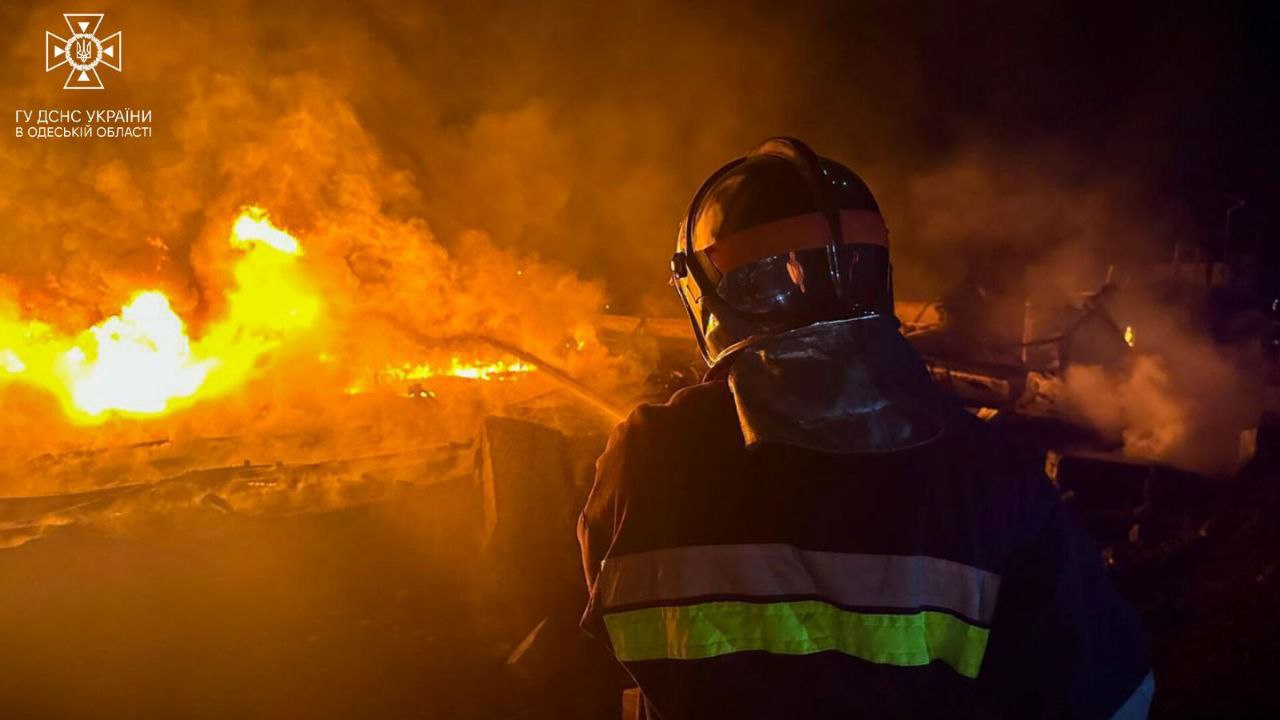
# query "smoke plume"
(505, 169)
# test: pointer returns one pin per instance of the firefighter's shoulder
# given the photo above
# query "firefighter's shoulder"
(704, 402)
(694, 412)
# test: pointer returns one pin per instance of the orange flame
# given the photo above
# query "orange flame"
(475, 370)
(137, 361)
(141, 361)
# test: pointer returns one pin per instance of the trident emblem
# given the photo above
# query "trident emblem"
(83, 51)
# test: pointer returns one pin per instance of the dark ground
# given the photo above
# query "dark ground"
(399, 609)
(374, 612)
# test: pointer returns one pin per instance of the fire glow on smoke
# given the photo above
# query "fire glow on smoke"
(142, 362)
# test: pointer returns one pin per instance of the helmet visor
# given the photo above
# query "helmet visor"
(785, 268)
(799, 285)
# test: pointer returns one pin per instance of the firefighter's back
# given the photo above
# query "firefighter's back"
(819, 533)
(787, 583)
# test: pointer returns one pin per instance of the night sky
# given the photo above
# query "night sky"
(1184, 95)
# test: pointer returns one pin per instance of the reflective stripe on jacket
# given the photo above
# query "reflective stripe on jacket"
(946, 580)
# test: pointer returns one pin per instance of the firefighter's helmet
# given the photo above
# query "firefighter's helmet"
(777, 240)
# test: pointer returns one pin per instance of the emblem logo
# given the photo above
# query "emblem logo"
(83, 51)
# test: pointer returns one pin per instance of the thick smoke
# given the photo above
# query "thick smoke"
(998, 208)
(537, 131)
(1054, 228)
(1182, 398)
(506, 169)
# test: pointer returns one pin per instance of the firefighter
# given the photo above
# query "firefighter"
(814, 531)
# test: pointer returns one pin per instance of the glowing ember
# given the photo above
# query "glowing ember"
(474, 370)
(142, 362)
(457, 368)
(1128, 335)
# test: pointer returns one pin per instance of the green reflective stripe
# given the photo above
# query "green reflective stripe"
(707, 630)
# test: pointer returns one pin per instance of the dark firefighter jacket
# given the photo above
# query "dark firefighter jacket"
(942, 580)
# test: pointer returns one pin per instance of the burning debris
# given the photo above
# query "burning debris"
(474, 370)
(1179, 397)
(142, 362)
(297, 389)
(149, 370)
(171, 365)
